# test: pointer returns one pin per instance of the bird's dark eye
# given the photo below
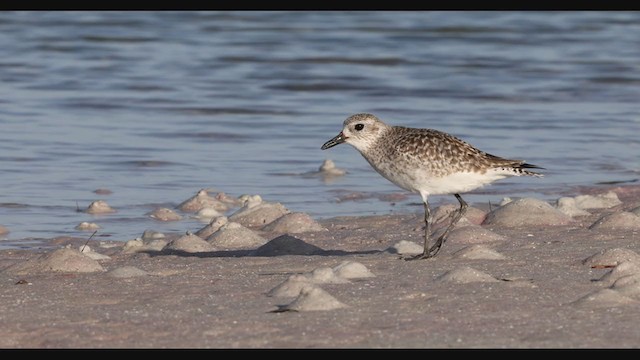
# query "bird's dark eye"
(359, 127)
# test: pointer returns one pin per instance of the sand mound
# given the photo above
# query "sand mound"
(617, 221)
(138, 245)
(189, 243)
(600, 201)
(126, 272)
(478, 252)
(61, 260)
(87, 251)
(473, 234)
(290, 287)
(287, 245)
(465, 274)
(568, 206)
(202, 200)
(149, 235)
(312, 298)
(255, 212)
(207, 214)
(214, 225)
(325, 275)
(443, 214)
(612, 257)
(164, 214)
(294, 223)
(628, 286)
(625, 268)
(405, 247)
(604, 298)
(84, 226)
(234, 236)
(526, 212)
(99, 207)
(352, 270)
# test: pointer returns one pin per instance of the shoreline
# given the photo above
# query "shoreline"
(523, 278)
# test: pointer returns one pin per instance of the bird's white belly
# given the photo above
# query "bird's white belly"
(460, 182)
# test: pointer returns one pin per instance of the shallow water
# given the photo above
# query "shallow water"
(157, 105)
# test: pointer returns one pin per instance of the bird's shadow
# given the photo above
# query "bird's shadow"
(279, 246)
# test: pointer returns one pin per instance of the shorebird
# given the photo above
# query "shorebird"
(427, 162)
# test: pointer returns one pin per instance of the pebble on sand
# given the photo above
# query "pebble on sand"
(526, 212)
(126, 272)
(234, 236)
(189, 243)
(352, 270)
(568, 206)
(478, 252)
(294, 223)
(87, 251)
(164, 214)
(600, 201)
(443, 214)
(405, 247)
(472, 234)
(612, 257)
(623, 269)
(99, 207)
(465, 274)
(214, 225)
(60, 260)
(86, 226)
(312, 298)
(603, 298)
(256, 213)
(623, 220)
(287, 245)
(201, 200)
(3, 230)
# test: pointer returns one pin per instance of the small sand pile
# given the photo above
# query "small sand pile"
(478, 252)
(405, 247)
(256, 213)
(207, 214)
(577, 206)
(294, 223)
(623, 269)
(99, 207)
(60, 260)
(189, 243)
(149, 235)
(287, 245)
(202, 200)
(471, 234)
(466, 274)
(442, 215)
(126, 272)
(87, 226)
(328, 168)
(623, 220)
(164, 214)
(611, 257)
(87, 251)
(214, 225)
(138, 245)
(526, 212)
(604, 298)
(312, 298)
(235, 236)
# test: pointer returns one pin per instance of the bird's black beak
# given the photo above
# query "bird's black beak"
(339, 139)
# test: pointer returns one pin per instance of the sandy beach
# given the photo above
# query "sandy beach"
(527, 274)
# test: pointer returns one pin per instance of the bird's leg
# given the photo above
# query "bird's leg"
(458, 215)
(427, 232)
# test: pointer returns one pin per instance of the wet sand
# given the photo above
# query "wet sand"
(527, 275)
